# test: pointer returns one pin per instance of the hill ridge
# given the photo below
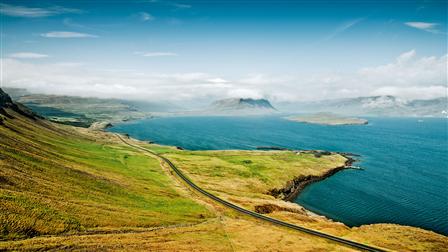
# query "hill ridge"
(239, 105)
(7, 103)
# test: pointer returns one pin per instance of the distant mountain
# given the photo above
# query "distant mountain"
(373, 106)
(242, 106)
(5, 100)
(74, 110)
(15, 93)
(153, 107)
(324, 118)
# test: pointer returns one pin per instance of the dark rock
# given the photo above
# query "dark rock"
(7, 103)
(295, 186)
(316, 153)
(269, 208)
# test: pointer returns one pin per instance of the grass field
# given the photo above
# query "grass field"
(80, 111)
(66, 188)
(58, 181)
(250, 174)
(245, 177)
(73, 189)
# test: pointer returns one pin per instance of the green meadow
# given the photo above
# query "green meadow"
(58, 181)
(68, 188)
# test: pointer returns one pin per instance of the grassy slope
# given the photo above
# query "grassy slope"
(58, 181)
(80, 111)
(74, 189)
(250, 174)
(107, 196)
(244, 177)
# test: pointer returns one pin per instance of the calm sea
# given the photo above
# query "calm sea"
(405, 180)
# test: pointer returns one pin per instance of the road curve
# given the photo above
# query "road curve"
(254, 214)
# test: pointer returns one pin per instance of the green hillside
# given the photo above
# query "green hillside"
(60, 181)
(77, 111)
(68, 188)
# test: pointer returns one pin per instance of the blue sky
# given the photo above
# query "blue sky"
(208, 49)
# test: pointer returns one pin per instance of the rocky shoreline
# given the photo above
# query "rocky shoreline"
(295, 186)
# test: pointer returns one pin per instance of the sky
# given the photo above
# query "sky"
(202, 50)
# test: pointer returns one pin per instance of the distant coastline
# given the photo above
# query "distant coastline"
(328, 119)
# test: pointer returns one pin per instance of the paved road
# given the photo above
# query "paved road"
(342, 241)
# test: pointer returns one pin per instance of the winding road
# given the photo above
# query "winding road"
(339, 240)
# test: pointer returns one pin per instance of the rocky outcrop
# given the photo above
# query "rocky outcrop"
(100, 126)
(5, 100)
(295, 186)
(269, 208)
(7, 103)
(241, 106)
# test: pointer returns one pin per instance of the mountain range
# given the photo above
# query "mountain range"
(69, 188)
(84, 111)
(372, 106)
(242, 106)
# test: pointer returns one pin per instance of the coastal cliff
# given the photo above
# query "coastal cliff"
(7, 103)
(293, 187)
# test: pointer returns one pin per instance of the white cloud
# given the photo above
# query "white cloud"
(244, 93)
(82, 80)
(407, 76)
(421, 25)
(429, 27)
(144, 17)
(28, 55)
(408, 71)
(217, 80)
(28, 12)
(406, 57)
(413, 92)
(257, 79)
(180, 6)
(67, 34)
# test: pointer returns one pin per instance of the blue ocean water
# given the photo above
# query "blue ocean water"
(405, 180)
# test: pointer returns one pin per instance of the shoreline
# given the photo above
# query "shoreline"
(298, 183)
(329, 119)
(295, 186)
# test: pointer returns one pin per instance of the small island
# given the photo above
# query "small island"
(328, 119)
